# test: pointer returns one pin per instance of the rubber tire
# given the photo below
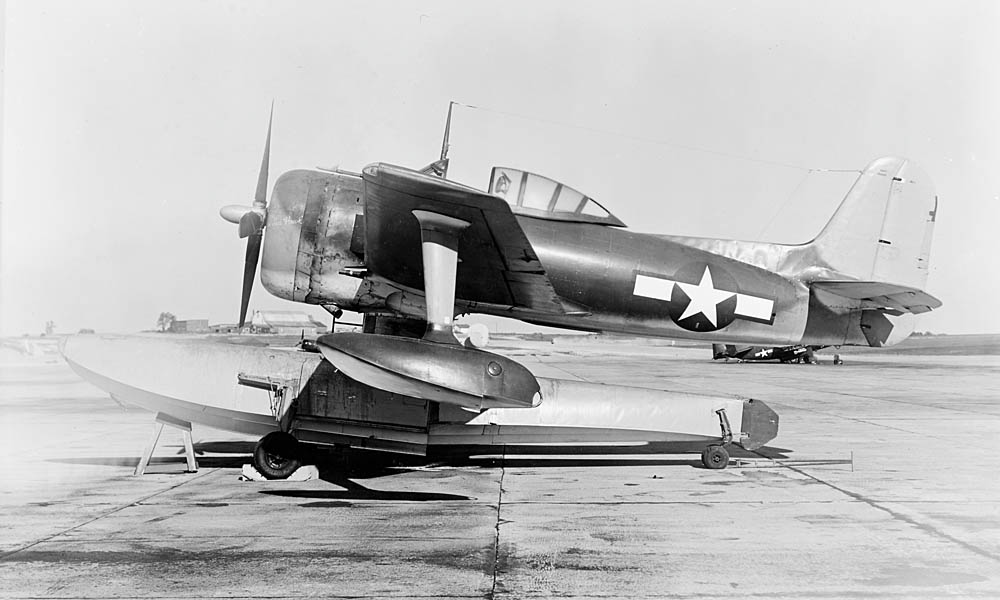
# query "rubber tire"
(715, 457)
(277, 455)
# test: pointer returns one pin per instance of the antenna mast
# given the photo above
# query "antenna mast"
(447, 132)
(443, 162)
(439, 168)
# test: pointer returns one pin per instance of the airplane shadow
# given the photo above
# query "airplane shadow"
(355, 491)
(235, 454)
(230, 447)
(361, 464)
(562, 462)
(208, 462)
(664, 453)
(343, 469)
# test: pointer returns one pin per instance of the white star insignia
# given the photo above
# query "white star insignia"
(704, 298)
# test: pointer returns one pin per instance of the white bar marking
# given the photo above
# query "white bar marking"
(653, 287)
(754, 307)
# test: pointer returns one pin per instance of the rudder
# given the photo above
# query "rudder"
(883, 228)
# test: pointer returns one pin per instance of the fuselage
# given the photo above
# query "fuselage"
(625, 280)
(607, 278)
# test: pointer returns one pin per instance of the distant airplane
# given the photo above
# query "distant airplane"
(796, 353)
(411, 250)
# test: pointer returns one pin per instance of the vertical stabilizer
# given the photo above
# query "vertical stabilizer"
(882, 230)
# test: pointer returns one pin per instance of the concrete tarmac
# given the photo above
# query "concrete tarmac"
(882, 483)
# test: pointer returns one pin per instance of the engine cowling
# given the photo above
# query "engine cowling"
(311, 221)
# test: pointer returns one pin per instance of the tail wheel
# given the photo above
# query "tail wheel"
(715, 457)
(277, 455)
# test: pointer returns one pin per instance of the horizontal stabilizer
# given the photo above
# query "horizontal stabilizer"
(884, 295)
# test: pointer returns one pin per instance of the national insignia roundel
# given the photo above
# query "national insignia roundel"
(704, 298)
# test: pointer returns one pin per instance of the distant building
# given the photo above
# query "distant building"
(282, 322)
(225, 328)
(189, 326)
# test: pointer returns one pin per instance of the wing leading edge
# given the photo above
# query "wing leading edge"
(497, 264)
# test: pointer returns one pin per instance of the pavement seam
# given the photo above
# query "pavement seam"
(898, 516)
(10, 553)
(496, 537)
(872, 422)
(563, 369)
(961, 411)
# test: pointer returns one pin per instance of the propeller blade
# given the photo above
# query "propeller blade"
(252, 224)
(260, 198)
(249, 271)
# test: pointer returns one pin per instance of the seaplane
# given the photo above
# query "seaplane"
(411, 250)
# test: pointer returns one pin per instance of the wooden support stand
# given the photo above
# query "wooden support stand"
(185, 428)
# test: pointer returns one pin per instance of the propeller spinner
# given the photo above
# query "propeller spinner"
(251, 220)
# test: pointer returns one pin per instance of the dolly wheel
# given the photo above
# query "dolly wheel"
(715, 457)
(276, 455)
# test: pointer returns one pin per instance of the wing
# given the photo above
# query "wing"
(497, 264)
(884, 295)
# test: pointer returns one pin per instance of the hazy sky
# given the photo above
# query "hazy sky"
(126, 125)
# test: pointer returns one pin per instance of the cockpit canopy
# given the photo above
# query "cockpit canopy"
(537, 196)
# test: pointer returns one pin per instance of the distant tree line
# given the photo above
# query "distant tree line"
(165, 321)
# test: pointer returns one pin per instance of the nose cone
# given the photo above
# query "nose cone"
(118, 365)
(136, 368)
(189, 378)
(234, 212)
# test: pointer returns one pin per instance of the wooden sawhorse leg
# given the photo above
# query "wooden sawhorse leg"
(162, 420)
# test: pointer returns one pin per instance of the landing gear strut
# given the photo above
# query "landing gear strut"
(277, 455)
(716, 456)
